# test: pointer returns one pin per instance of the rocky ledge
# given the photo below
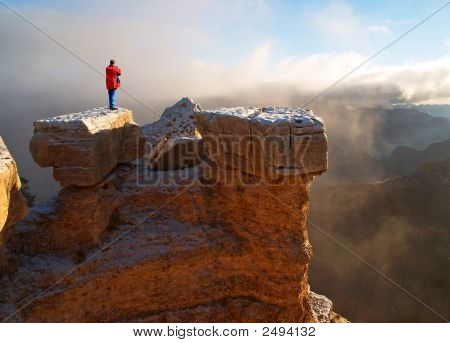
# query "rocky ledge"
(85, 147)
(211, 240)
(265, 141)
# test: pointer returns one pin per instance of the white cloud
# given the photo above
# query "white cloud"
(420, 81)
(315, 71)
(379, 29)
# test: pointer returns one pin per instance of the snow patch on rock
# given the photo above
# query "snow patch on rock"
(173, 140)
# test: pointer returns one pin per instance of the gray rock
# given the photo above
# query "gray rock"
(321, 307)
(173, 142)
(267, 141)
(85, 147)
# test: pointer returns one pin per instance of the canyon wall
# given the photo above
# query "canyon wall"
(208, 225)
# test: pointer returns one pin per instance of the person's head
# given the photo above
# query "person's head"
(112, 62)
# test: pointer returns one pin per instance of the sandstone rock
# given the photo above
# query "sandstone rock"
(85, 147)
(265, 142)
(12, 204)
(181, 253)
(337, 318)
(200, 245)
(73, 220)
(173, 142)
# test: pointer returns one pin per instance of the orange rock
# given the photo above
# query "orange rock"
(12, 204)
(206, 243)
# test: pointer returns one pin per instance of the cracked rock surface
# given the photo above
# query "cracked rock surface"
(85, 147)
(268, 141)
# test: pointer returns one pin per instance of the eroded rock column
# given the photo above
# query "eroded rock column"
(219, 239)
(261, 163)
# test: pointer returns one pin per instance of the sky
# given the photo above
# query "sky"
(209, 48)
(226, 31)
(221, 53)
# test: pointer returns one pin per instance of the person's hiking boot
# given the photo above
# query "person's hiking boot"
(113, 108)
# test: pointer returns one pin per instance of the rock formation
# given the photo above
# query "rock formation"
(268, 141)
(85, 147)
(12, 204)
(173, 142)
(165, 240)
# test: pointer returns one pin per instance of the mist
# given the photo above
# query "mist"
(40, 79)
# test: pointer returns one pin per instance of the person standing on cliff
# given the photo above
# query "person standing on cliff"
(112, 83)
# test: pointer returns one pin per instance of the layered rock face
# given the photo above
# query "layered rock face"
(265, 142)
(12, 204)
(85, 147)
(209, 241)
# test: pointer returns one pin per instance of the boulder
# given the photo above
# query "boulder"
(321, 306)
(85, 147)
(173, 142)
(267, 141)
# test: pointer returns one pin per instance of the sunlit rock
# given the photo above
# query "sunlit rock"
(267, 141)
(206, 241)
(12, 204)
(173, 142)
(85, 147)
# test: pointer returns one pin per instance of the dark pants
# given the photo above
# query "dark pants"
(112, 97)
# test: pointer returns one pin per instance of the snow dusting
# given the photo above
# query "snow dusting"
(92, 114)
(298, 117)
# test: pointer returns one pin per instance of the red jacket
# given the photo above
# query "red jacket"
(111, 76)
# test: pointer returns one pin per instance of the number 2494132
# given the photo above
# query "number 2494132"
(289, 331)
